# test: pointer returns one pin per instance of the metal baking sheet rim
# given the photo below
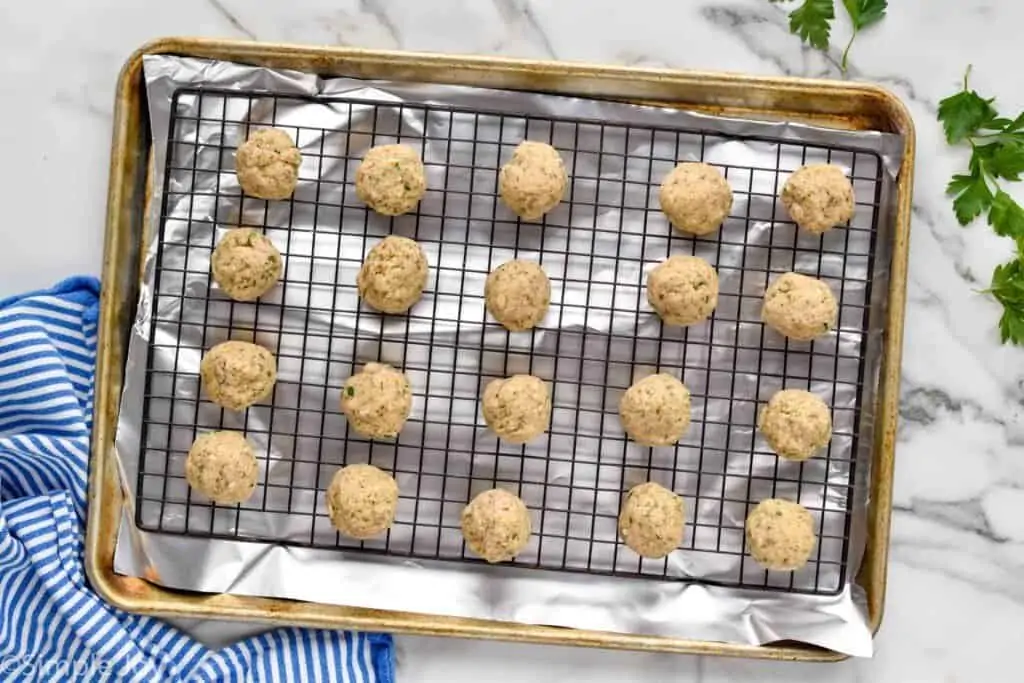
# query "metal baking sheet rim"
(226, 565)
(885, 398)
(670, 608)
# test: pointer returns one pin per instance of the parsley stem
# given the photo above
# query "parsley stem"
(988, 138)
(846, 52)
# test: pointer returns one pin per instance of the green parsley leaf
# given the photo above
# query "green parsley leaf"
(1006, 216)
(812, 22)
(997, 153)
(996, 124)
(1008, 289)
(1008, 282)
(964, 113)
(1011, 326)
(863, 13)
(1016, 125)
(959, 183)
(350, 391)
(972, 196)
(1005, 160)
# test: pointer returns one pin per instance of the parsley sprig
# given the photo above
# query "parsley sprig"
(812, 21)
(863, 13)
(997, 154)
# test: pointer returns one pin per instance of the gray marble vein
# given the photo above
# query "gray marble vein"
(232, 19)
(762, 31)
(377, 9)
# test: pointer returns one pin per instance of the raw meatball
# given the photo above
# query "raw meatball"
(361, 501)
(222, 467)
(780, 534)
(818, 197)
(696, 198)
(496, 525)
(799, 307)
(518, 409)
(237, 374)
(533, 181)
(377, 401)
(393, 276)
(656, 410)
(246, 264)
(517, 294)
(796, 423)
(267, 164)
(651, 521)
(683, 289)
(391, 179)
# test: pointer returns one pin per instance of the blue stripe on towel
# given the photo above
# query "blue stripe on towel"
(52, 626)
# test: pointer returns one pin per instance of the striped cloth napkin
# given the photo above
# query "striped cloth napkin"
(52, 626)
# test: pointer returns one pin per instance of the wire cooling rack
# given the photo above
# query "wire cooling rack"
(597, 339)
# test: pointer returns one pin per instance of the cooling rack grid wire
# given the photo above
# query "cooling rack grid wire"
(599, 336)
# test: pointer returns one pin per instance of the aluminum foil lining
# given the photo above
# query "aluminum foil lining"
(846, 258)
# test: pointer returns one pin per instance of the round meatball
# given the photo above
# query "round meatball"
(496, 525)
(518, 409)
(818, 197)
(651, 521)
(780, 534)
(799, 307)
(222, 467)
(533, 181)
(796, 423)
(683, 289)
(696, 198)
(377, 401)
(393, 276)
(517, 294)
(246, 264)
(656, 410)
(391, 179)
(361, 501)
(267, 164)
(237, 374)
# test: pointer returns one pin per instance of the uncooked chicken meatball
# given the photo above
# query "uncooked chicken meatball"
(517, 294)
(267, 164)
(799, 307)
(696, 198)
(651, 521)
(518, 409)
(796, 423)
(496, 525)
(683, 289)
(534, 181)
(393, 275)
(391, 179)
(222, 467)
(655, 411)
(818, 197)
(780, 534)
(246, 264)
(361, 501)
(236, 374)
(377, 401)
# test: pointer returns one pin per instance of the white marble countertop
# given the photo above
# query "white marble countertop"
(955, 608)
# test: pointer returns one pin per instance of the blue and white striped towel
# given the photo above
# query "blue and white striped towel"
(52, 626)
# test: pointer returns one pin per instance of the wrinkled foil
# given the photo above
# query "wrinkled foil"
(580, 272)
